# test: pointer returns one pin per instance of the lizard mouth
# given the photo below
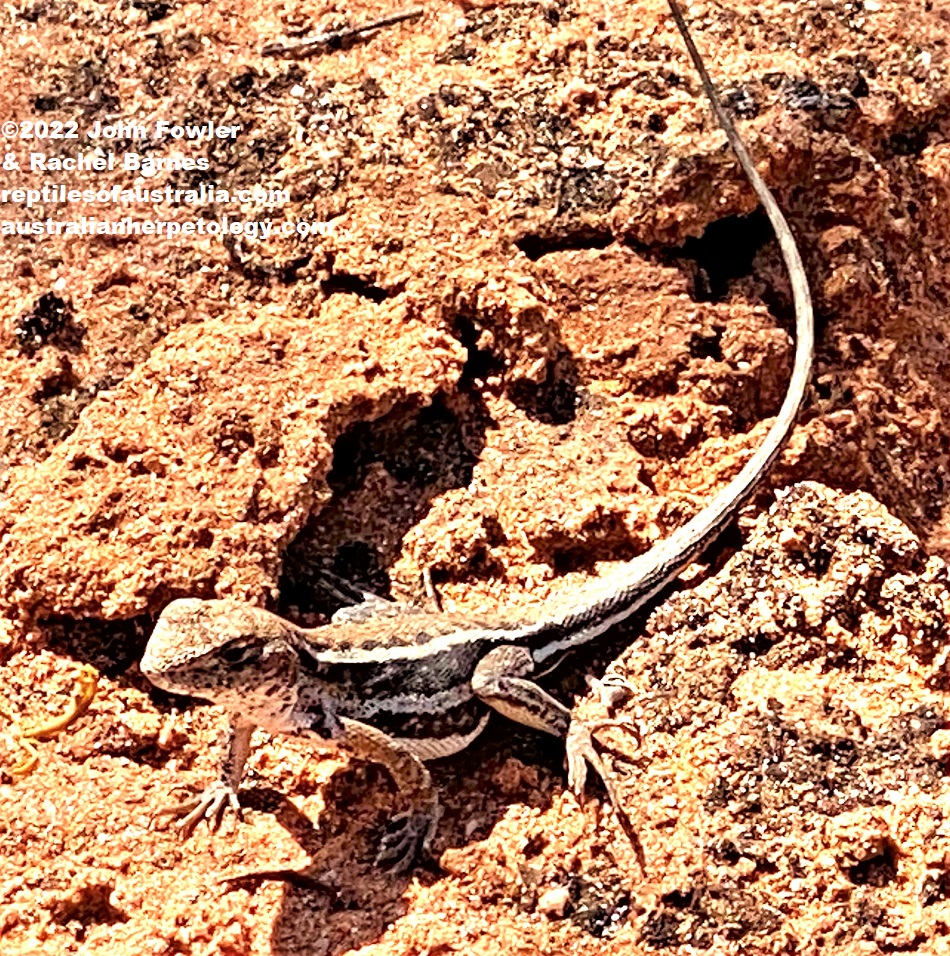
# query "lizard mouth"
(160, 678)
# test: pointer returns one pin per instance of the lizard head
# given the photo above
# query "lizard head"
(227, 652)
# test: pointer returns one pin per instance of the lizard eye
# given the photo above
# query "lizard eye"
(234, 654)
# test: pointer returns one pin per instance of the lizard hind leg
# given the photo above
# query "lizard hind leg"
(502, 681)
(357, 604)
(369, 607)
(581, 754)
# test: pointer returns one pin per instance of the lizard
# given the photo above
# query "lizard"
(398, 685)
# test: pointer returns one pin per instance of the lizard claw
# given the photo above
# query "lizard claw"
(210, 805)
(407, 836)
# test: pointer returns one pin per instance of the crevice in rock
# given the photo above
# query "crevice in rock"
(50, 321)
(112, 647)
(724, 252)
(394, 466)
(555, 400)
(912, 138)
(536, 245)
(480, 363)
(344, 282)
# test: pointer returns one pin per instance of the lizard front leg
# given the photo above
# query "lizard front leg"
(221, 795)
(410, 833)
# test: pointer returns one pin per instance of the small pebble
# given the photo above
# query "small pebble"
(554, 903)
(789, 539)
(940, 744)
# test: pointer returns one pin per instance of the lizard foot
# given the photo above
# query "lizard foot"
(407, 836)
(210, 805)
(581, 754)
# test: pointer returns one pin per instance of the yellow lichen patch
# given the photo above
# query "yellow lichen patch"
(86, 685)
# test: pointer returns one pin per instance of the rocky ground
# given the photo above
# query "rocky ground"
(541, 322)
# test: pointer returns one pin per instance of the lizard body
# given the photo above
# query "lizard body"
(400, 685)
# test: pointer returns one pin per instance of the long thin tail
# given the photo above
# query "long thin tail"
(710, 521)
(617, 594)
